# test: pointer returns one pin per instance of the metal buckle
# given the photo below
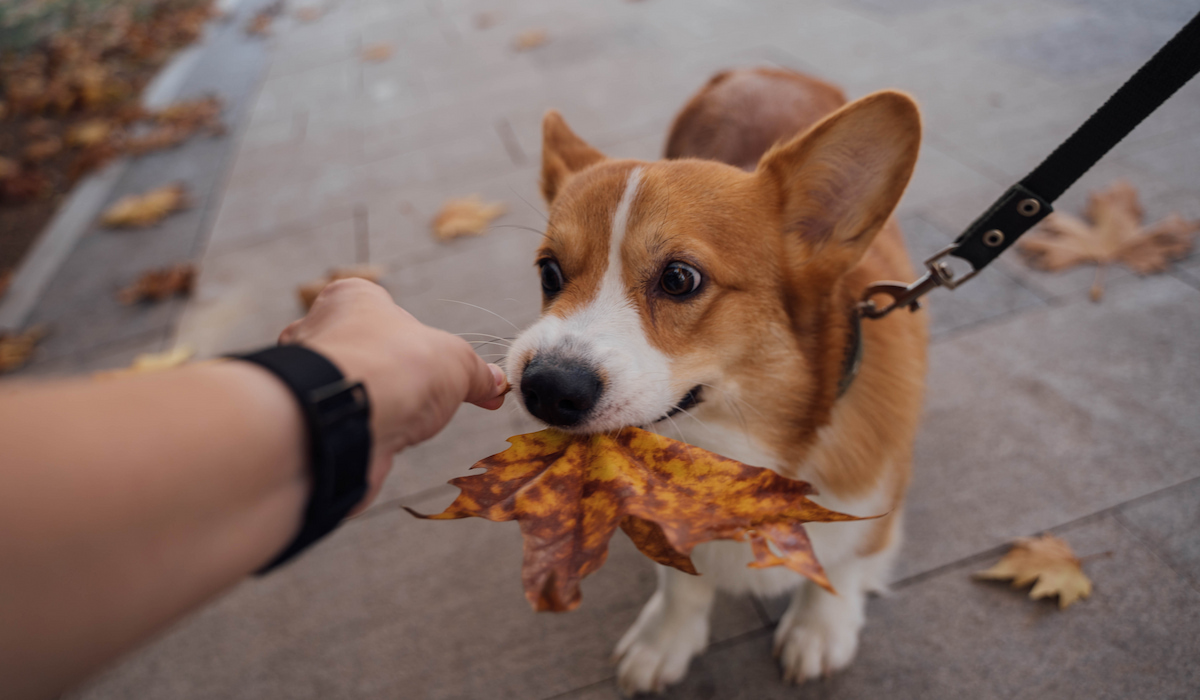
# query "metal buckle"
(939, 274)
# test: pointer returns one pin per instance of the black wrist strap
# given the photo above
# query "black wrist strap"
(337, 415)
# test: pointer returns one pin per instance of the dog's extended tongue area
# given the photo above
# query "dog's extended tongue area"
(689, 400)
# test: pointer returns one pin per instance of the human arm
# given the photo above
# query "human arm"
(125, 503)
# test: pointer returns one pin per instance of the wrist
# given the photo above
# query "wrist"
(336, 415)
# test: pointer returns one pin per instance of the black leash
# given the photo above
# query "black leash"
(1028, 202)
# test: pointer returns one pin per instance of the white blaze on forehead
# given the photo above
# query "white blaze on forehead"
(619, 225)
(608, 334)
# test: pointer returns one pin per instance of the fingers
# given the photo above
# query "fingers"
(488, 385)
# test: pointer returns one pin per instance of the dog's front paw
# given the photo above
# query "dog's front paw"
(817, 641)
(655, 652)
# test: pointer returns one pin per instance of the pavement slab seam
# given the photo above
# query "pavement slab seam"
(1134, 532)
(999, 550)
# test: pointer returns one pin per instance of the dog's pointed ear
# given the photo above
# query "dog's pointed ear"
(563, 153)
(838, 182)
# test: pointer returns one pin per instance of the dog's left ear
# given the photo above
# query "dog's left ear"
(839, 182)
(563, 153)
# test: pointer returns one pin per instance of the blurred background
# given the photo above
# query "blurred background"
(316, 137)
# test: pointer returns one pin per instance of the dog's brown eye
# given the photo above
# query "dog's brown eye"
(679, 279)
(552, 277)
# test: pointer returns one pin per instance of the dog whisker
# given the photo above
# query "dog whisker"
(476, 306)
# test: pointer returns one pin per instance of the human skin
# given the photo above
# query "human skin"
(127, 502)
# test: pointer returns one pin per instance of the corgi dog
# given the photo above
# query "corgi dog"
(723, 282)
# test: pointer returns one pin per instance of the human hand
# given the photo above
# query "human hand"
(416, 376)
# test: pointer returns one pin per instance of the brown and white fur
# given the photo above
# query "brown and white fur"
(782, 251)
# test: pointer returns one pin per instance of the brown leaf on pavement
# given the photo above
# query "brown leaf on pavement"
(308, 292)
(89, 133)
(157, 285)
(530, 39)
(17, 348)
(42, 149)
(570, 493)
(465, 216)
(9, 168)
(309, 14)
(148, 208)
(1050, 563)
(376, 53)
(24, 186)
(1114, 234)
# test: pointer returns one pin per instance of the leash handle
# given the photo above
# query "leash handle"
(1025, 204)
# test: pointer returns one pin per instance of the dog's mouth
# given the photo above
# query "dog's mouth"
(689, 400)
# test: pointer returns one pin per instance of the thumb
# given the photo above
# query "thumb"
(488, 385)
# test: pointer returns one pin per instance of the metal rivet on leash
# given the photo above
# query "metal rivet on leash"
(994, 237)
(1029, 207)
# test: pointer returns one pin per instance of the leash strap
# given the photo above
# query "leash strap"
(1029, 201)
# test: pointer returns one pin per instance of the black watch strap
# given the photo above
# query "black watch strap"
(337, 414)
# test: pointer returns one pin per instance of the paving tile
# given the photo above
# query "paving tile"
(938, 177)
(245, 297)
(1051, 415)
(391, 604)
(401, 231)
(113, 355)
(1174, 162)
(1086, 45)
(1170, 523)
(953, 637)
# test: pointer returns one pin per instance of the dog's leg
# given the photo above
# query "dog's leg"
(819, 632)
(670, 630)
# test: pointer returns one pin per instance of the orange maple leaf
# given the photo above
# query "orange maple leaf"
(1115, 234)
(569, 493)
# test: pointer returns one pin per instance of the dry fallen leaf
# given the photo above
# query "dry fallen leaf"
(1047, 560)
(157, 285)
(90, 133)
(1114, 235)
(16, 348)
(9, 168)
(146, 208)
(26, 185)
(466, 216)
(530, 39)
(151, 362)
(377, 52)
(43, 149)
(569, 493)
(308, 292)
(308, 14)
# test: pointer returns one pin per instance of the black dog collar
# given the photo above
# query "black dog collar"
(337, 415)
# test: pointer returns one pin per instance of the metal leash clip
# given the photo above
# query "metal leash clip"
(939, 274)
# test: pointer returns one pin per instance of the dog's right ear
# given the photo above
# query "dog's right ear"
(563, 153)
(839, 182)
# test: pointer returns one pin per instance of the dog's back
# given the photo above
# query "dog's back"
(741, 113)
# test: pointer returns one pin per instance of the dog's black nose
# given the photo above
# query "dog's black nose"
(560, 392)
